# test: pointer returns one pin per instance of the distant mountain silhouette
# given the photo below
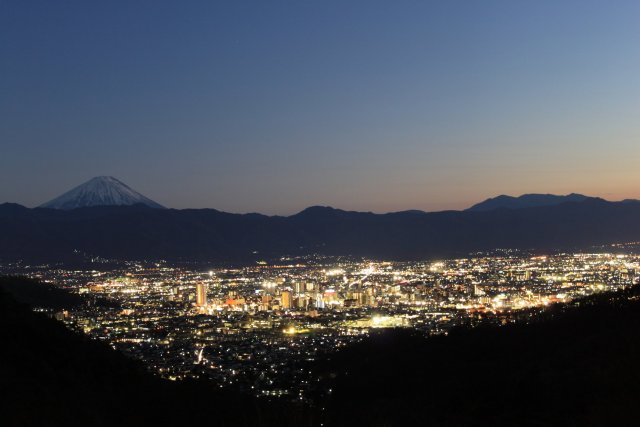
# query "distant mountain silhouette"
(527, 201)
(140, 232)
(100, 191)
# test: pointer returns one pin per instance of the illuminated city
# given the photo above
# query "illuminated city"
(320, 213)
(259, 328)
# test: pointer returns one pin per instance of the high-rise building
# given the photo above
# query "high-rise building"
(301, 303)
(285, 300)
(477, 290)
(319, 302)
(299, 288)
(201, 294)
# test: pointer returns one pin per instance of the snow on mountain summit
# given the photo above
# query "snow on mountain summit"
(100, 191)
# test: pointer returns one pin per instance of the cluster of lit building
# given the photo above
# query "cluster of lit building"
(261, 327)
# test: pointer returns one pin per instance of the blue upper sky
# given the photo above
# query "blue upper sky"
(273, 106)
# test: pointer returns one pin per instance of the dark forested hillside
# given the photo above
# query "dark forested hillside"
(574, 365)
(577, 365)
(51, 376)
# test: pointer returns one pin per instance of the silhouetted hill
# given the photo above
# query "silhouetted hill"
(526, 201)
(51, 376)
(575, 366)
(572, 365)
(38, 294)
(139, 232)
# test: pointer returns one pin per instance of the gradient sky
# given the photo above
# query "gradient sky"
(273, 106)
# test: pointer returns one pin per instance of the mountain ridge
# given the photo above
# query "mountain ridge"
(529, 200)
(140, 232)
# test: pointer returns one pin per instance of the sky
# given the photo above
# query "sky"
(274, 106)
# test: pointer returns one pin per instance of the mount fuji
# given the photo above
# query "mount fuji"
(100, 191)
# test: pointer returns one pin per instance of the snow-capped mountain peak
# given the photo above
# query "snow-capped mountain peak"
(100, 191)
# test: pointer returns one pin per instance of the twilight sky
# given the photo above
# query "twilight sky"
(273, 106)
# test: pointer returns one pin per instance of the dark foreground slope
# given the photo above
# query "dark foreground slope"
(577, 366)
(51, 376)
(140, 232)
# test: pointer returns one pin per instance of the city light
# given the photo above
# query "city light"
(273, 318)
